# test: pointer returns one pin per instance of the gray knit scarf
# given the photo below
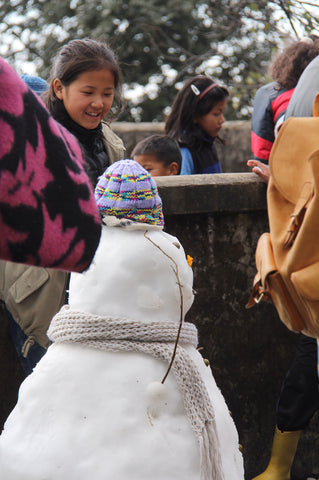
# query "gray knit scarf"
(156, 339)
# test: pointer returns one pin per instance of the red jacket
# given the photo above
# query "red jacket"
(270, 105)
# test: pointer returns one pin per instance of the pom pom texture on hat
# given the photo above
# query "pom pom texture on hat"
(127, 190)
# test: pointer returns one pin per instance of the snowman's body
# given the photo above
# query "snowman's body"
(91, 413)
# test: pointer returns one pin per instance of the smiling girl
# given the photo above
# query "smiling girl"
(195, 120)
(85, 83)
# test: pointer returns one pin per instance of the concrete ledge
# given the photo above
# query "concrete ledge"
(226, 192)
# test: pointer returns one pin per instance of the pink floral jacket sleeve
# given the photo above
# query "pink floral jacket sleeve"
(48, 215)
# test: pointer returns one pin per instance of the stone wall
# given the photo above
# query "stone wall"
(218, 219)
(234, 153)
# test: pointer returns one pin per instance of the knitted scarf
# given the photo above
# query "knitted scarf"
(93, 149)
(156, 339)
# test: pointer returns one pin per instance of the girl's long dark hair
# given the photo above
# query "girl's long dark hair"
(188, 106)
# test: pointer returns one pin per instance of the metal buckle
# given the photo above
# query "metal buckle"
(257, 300)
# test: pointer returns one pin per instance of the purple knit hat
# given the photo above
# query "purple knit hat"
(127, 190)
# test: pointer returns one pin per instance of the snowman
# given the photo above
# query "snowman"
(123, 393)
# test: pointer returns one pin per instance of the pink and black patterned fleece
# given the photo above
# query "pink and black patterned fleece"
(48, 215)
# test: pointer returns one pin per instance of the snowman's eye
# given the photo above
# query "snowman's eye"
(177, 245)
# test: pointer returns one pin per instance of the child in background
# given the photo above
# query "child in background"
(84, 82)
(195, 121)
(272, 100)
(160, 155)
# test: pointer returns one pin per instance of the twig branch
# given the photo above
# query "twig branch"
(181, 305)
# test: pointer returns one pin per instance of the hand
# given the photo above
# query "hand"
(260, 169)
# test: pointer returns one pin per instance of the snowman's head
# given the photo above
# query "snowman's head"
(141, 275)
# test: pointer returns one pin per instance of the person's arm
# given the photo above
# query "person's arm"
(261, 169)
(262, 124)
(187, 162)
(48, 215)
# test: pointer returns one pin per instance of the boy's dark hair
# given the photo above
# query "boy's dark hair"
(291, 62)
(77, 57)
(165, 148)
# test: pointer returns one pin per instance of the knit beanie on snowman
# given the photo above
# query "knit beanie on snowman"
(127, 190)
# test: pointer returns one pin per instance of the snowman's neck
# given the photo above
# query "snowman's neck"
(81, 327)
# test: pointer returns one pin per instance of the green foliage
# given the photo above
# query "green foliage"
(161, 43)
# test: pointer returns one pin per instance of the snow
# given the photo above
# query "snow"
(132, 278)
(88, 413)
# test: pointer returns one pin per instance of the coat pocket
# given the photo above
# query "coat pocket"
(269, 284)
(29, 282)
